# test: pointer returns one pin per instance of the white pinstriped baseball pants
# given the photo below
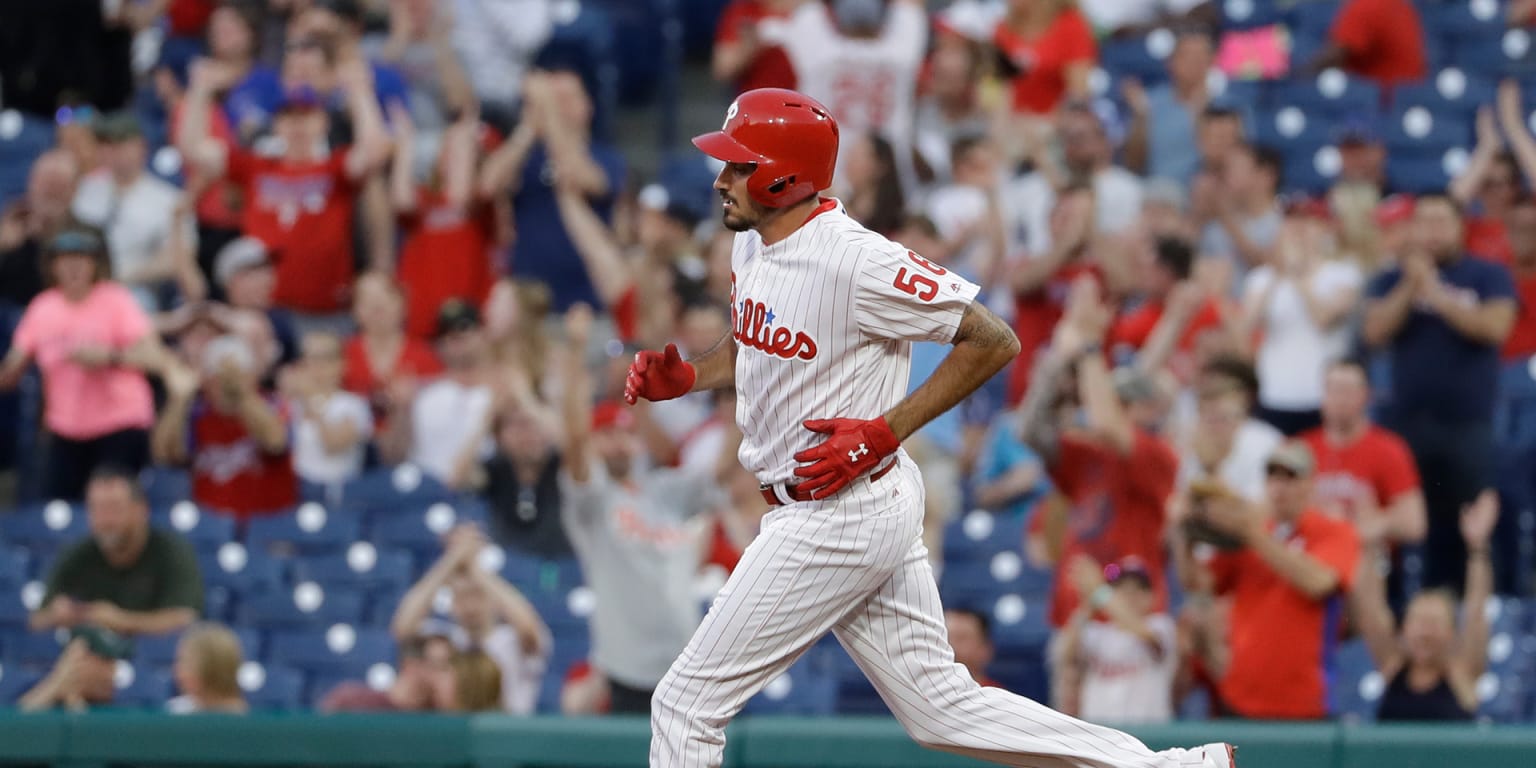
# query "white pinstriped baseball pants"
(858, 568)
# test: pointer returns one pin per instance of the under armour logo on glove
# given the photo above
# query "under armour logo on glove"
(823, 473)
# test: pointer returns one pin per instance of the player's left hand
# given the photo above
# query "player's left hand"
(853, 447)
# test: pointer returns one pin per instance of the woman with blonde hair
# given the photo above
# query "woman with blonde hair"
(476, 683)
(515, 314)
(206, 669)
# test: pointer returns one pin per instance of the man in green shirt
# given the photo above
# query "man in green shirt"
(126, 576)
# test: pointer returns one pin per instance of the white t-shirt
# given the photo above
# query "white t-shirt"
(1127, 682)
(868, 84)
(136, 219)
(954, 209)
(522, 674)
(309, 457)
(1243, 469)
(1295, 352)
(445, 417)
(1027, 209)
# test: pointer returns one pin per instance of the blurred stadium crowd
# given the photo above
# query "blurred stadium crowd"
(302, 302)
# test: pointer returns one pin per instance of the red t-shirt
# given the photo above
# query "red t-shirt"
(1035, 315)
(1043, 60)
(1281, 641)
(1118, 507)
(416, 359)
(1379, 464)
(1522, 338)
(231, 473)
(303, 212)
(447, 254)
(1487, 237)
(1383, 39)
(770, 68)
(1132, 329)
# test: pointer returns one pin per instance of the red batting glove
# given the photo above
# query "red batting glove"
(854, 447)
(658, 376)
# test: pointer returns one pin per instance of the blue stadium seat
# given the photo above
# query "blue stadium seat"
(240, 570)
(1470, 23)
(1354, 686)
(306, 605)
(1420, 130)
(46, 527)
(141, 687)
(13, 604)
(165, 486)
(204, 529)
(1003, 573)
(980, 534)
(1291, 127)
(420, 531)
(311, 529)
(1418, 174)
(1249, 14)
(1451, 91)
(801, 691)
(389, 490)
(271, 687)
(1020, 623)
(15, 681)
(362, 567)
(1331, 93)
(15, 567)
(340, 649)
(38, 650)
(1142, 58)
(1503, 697)
(1313, 19)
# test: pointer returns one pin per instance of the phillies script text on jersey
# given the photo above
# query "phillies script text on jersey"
(752, 325)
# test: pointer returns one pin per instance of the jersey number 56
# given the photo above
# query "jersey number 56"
(916, 283)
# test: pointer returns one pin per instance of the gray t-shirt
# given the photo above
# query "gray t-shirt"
(639, 543)
(1262, 230)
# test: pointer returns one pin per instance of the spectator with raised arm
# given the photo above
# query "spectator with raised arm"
(1488, 187)
(1226, 446)
(1244, 223)
(497, 40)
(299, 203)
(1087, 155)
(126, 576)
(1441, 317)
(29, 222)
(244, 273)
(1171, 312)
(1161, 142)
(740, 57)
(554, 132)
(1118, 651)
(233, 434)
(639, 535)
(489, 616)
(434, 425)
(382, 360)
(1430, 666)
(419, 46)
(93, 344)
(1047, 48)
(332, 426)
(1286, 567)
(1381, 40)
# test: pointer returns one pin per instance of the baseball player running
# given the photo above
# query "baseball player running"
(823, 316)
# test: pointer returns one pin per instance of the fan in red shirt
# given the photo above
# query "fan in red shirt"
(1522, 238)
(1114, 472)
(234, 436)
(1286, 567)
(1041, 283)
(1164, 272)
(1048, 48)
(382, 353)
(740, 57)
(299, 203)
(451, 229)
(1488, 188)
(1382, 40)
(1365, 473)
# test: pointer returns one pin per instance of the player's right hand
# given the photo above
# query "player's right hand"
(658, 376)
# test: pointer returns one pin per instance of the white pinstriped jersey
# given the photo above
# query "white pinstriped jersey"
(823, 322)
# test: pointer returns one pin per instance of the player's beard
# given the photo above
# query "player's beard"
(739, 216)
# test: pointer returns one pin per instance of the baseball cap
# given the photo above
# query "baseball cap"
(611, 414)
(456, 316)
(1129, 567)
(237, 256)
(1356, 131)
(116, 126)
(103, 642)
(1395, 209)
(659, 196)
(1292, 456)
(300, 99)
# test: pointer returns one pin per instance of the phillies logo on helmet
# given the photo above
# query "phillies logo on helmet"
(730, 114)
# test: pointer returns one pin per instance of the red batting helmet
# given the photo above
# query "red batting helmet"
(789, 136)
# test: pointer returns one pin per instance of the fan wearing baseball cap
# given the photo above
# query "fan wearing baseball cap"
(1119, 650)
(636, 533)
(1286, 567)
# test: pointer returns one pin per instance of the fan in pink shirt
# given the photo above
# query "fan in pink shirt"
(92, 342)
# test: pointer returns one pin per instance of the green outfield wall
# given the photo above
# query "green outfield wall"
(122, 739)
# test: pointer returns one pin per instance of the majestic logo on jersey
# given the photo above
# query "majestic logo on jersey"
(752, 325)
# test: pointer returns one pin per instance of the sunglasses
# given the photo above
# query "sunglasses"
(82, 115)
(1280, 472)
